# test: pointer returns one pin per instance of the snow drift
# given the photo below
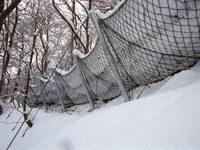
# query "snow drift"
(165, 117)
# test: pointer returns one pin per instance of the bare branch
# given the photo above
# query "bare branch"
(70, 25)
(5, 13)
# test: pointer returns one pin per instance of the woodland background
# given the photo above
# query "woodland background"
(36, 34)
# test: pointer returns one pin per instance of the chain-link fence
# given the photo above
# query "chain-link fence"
(149, 41)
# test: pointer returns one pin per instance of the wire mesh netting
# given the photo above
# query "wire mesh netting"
(149, 40)
(155, 39)
(99, 75)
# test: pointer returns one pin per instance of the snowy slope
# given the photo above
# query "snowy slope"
(167, 116)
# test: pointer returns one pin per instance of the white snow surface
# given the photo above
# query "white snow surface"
(78, 53)
(165, 117)
(81, 55)
(62, 72)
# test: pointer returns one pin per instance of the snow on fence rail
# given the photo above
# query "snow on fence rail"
(149, 41)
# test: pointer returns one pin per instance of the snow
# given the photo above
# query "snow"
(35, 33)
(165, 117)
(78, 53)
(81, 55)
(60, 71)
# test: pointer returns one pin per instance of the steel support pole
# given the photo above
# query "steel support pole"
(83, 81)
(109, 56)
(59, 94)
(43, 95)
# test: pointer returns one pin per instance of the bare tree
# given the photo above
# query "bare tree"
(8, 10)
(6, 45)
(36, 35)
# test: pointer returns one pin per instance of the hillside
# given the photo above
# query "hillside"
(167, 116)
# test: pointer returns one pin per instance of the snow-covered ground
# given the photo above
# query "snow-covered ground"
(166, 116)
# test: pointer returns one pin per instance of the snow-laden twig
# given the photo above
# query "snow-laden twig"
(141, 92)
(13, 107)
(9, 122)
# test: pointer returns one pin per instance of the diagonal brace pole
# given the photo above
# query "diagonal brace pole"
(83, 81)
(59, 94)
(109, 56)
(43, 95)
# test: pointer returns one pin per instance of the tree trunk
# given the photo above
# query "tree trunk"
(28, 77)
(1, 10)
(87, 30)
(6, 60)
(8, 10)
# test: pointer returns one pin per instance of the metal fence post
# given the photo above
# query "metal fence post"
(109, 56)
(59, 94)
(43, 95)
(83, 81)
